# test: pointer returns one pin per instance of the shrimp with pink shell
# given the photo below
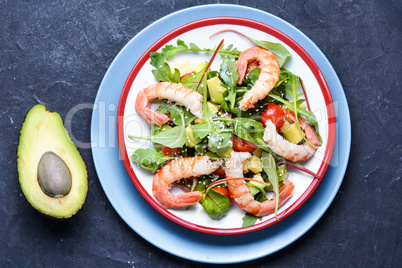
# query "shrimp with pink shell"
(240, 192)
(175, 171)
(269, 74)
(172, 92)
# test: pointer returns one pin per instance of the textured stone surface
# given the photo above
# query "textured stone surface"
(58, 51)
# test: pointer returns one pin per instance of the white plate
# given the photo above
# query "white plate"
(198, 32)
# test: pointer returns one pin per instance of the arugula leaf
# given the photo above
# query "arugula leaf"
(228, 72)
(200, 131)
(215, 204)
(280, 52)
(250, 220)
(192, 81)
(230, 75)
(164, 107)
(250, 125)
(180, 115)
(164, 74)
(173, 138)
(251, 131)
(156, 129)
(149, 159)
(252, 76)
(289, 78)
(220, 142)
(157, 59)
(269, 167)
(169, 51)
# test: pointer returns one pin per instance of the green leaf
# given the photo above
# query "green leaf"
(173, 138)
(220, 142)
(256, 129)
(229, 73)
(250, 220)
(200, 131)
(165, 74)
(192, 81)
(149, 159)
(169, 51)
(156, 129)
(180, 115)
(215, 204)
(164, 107)
(289, 78)
(280, 52)
(157, 59)
(253, 75)
(269, 166)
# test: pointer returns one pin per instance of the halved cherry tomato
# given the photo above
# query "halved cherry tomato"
(241, 145)
(222, 190)
(220, 172)
(168, 151)
(274, 113)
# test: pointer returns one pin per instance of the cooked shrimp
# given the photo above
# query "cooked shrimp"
(175, 171)
(180, 94)
(241, 194)
(269, 74)
(288, 150)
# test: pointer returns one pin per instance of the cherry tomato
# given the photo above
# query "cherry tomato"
(241, 145)
(222, 190)
(220, 172)
(168, 151)
(274, 113)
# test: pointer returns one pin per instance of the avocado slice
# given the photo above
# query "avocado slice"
(52, 173)
(215, 89)
(293, 134)
(190, 140)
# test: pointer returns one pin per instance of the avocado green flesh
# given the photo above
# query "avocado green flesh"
(215, 89)
(190, 140)
(43, 133)
(293, 134)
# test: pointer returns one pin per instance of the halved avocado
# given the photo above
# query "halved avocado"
(52, 173)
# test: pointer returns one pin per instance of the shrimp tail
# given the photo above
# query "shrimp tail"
(268, 207)
(187, 199)
(175, 171)
(152, 117)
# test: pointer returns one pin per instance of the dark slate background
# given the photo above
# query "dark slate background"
(58, 51)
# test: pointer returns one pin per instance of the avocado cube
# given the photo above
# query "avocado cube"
(215, 89)
(293, 134)
(190, 140)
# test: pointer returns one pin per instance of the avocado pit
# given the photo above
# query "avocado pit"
(54, 177)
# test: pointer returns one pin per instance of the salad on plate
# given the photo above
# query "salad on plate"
(228, 134)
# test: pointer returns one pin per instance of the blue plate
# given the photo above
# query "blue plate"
(162, 232)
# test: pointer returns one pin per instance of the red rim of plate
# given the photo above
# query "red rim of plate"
(261, 27)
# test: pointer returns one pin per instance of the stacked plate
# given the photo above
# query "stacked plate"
(196, 236)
